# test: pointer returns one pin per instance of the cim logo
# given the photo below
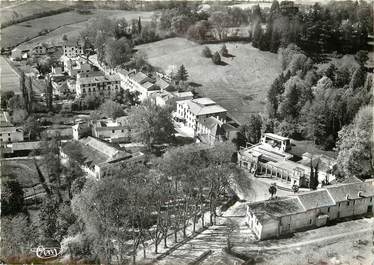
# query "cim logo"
(47, 252)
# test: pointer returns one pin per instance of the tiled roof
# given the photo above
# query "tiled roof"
(140, 77)
(351, 190)
(148, 85)
(315, 199)
(162, 83)
(271, 209)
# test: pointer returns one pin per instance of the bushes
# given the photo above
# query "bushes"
(216, 58)
(207, 52)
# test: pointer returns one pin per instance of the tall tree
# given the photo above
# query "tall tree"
(355, 145)
(182, 74)
(252, 128)
(151, 123)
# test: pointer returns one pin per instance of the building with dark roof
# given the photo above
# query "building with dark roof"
(273, 218)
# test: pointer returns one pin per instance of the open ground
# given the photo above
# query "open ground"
(240, 86)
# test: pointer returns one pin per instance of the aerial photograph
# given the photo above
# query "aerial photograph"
(187, 132)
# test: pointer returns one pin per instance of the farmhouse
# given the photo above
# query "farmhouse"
(76, 66)
(273, 218)
(39, 49)
(72, 49)
(101, 157)
(8, 132)
(195, 111)
(97, 85)
(272, 156)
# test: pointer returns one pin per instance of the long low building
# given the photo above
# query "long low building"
(100, 157)
(282, 216)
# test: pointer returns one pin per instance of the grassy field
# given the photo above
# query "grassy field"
(240, 86)
(23, 169)
(64, 23)
(17, 10)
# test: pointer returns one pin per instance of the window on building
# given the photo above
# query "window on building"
(121, 130)
(9, 140)
(371, 199)
(113, 131)
(328, 209)
(310, 221)
(348, 203)
(8, 134)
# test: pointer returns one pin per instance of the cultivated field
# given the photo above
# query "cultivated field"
(17, 10)
(63, 23)
(240, 86)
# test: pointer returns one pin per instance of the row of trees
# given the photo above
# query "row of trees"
(136, 205)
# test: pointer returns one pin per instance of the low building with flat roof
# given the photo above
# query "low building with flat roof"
(8, 132)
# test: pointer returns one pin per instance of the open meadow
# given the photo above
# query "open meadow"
(59, 24)
(240, 86)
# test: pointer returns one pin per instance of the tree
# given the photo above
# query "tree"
(257, 35)
(182, 74)
(151, 123)
(224, 52)
(32, 128)
(216, 58)
(361, 57)
(19, 116)
(111, 109)
(252, 128)
(207, 52)
(49, 93)
(355, 153)
(126, 97)
(11, 197)
(220, 21)
(273, 189)
(117, 52)
(358, 78)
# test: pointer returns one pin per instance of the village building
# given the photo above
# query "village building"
(271, 156)
(161, 98)
(19, 53)
(141, 83)
(99, 85)
(113, 131)
(73, 67)
(39, 49)
(195, 111)
(8, 132)
(101, 158)
(72, 49)
(282, 216)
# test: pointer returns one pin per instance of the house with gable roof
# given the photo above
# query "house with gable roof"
(101, 158)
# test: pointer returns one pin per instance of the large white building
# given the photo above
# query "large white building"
(195, 111)
(141, 83)
(113, 131)
(100, 85)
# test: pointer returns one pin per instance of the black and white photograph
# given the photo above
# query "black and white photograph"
(187, 132)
